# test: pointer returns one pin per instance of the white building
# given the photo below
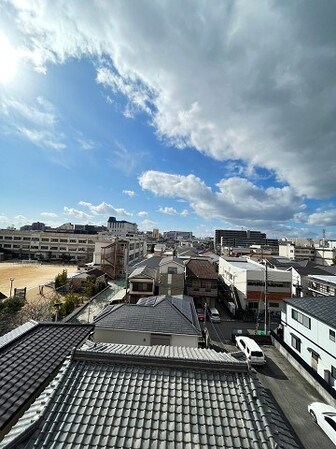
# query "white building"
(310, 330)
(296, 252)
(248, 280)
(325, 255)
(48, 245)
(121, 228)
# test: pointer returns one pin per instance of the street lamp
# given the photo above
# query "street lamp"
(11, 280)
(57, 306)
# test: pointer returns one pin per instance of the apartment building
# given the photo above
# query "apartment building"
(247, 280)
(297, 252)
(233, 237)
(322, 285)
(178, 235)
(48, 245)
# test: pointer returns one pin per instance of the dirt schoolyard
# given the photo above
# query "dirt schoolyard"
(29, 275)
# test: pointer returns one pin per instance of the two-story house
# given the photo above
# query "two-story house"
(171, 278)
(201, 282)
(309, 328)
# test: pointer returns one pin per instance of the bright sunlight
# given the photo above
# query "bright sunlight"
(8, 60)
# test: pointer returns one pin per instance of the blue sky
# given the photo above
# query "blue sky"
(175, 115)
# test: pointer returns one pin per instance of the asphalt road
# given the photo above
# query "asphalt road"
(289, 389)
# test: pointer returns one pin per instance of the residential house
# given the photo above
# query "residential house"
(201, 282)
(78, 282)
(143, 280)
(309, 328)
(158, 320)
(171, 280)
(120, 396)
(30, 357)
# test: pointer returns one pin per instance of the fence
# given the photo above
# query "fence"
(310, 374)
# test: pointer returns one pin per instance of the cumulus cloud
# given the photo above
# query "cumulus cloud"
(71, 212)
(129, 193)
(105, 209)
(241, 81)
(143, 213)
(168, 210)
(236, 198)
(146, 225)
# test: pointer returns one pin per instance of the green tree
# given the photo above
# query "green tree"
(69, 303)
(9, 313)
(61, 279)
(90, 286)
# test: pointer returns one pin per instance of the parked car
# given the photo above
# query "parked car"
(325, 416)
(251, 349)
(200, 313)
(213, 315)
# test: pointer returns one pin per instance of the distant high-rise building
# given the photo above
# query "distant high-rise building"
(155, 234)
(232, 237)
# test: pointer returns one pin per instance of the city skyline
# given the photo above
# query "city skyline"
(185, 116)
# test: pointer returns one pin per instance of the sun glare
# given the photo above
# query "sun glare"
(8, 60)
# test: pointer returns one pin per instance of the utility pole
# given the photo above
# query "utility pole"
(11, 280)
(265, 327)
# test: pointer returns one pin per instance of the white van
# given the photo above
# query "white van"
(251, 349)
(214, 315)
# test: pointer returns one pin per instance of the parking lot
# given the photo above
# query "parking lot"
(289, 389)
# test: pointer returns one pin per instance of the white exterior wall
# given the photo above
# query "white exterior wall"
(119, 228)
(42, 243)
(184, 340)
(325, 256)
(140, 338)
(287, 251)
(122, 336)
(316, 338)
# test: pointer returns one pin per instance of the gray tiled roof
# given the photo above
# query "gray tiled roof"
(29, 359)
(143, 272)
(160, 314)
(4, 339)
(321, 307)
(116, 401)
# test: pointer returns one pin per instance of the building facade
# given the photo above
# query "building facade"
(48, 245)
(232, 237)
(254, 284)
(309, 326)
(121, 228)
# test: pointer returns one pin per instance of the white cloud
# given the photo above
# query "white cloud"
(48, 214)
(172, 211)
(36, 123)
(323, 218)
(146, 225)
(129, 193)
(219, 85)
(168, 210)
(236, 198)
(105, 209)
(143, 213)
(71, 212)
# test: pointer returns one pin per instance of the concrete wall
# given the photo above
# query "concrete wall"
(304, 373)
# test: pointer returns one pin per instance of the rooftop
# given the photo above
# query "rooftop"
(150, 315)
(321, 307)
(201, 269)
(119, 396)
(29, 357)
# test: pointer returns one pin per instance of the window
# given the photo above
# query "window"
(26, 238)
(331, 335)
(8, 237)
(72, 241)
(296, 343)
(333, 372)
(301, 318)
(45, 240)
(54, 240)
(63, 240)
(44, 247)
(7, 245)
(81, 241)
(172, 270)
(331, 422)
